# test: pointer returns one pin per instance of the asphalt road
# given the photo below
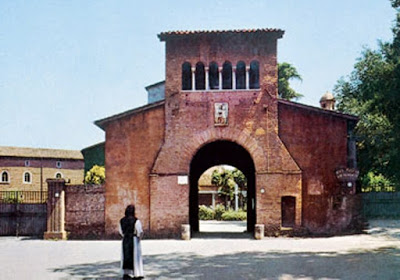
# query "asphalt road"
(375, 255)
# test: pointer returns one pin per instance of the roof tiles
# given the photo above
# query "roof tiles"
(164, 35)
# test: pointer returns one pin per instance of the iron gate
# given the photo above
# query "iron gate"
(23, 213)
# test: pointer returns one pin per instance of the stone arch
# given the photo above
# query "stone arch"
(240, 137)
(240, 75)
(227, 75)
(254, 75)
(186, 76)
(213, 75)
(200, 76)
(216, 153)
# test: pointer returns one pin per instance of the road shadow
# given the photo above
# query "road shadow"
(97, 270)
(222, 235)
(377, 264)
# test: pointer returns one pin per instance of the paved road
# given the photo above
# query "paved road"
(375, 255)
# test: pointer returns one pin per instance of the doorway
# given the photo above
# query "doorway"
(221, 153)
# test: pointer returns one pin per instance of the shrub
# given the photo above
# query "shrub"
(372, 182)
(12, 199)
(231, 215)
(96, 175)
(206, 213)
(219, 211)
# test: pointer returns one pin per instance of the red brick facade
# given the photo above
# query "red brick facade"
(155, 154)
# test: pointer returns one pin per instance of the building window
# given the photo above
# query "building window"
(4, 177)
(58, 164)
(59, 175)
(27, 178)
(27, 163)
(214, 76)
(200, 76)
(254, 75)
(186, 76)
(227, 75)
(240, 75)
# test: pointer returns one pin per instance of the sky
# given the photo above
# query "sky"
(66, 64)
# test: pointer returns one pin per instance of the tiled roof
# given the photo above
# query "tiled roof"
(40, 153)
(164, 35)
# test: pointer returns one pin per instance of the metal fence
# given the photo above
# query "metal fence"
(23, 197)
(381, 204)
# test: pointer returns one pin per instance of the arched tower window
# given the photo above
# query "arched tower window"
(213, 76)
(200, 76)
(186, 76)
(4, 177)
(254, 75)
(58, 175)
(240, 75)
(227, 75)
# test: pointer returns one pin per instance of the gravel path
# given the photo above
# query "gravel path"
(375, 255)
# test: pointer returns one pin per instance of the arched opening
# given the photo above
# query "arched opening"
(214, 76)
(200, 76)
(240, 75)
(222, 200)
(221, 153)
(186, 76)
(27, 177)
(4, 177)
(227, 75)
(254, 78)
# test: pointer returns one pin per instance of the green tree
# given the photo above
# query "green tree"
(226, 180)
(287, 72)
(96, 175)
(372, 93)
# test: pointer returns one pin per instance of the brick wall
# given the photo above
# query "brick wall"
(317, 141)
(132, 144)
(84, 211)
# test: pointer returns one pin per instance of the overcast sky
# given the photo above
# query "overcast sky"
(65, 64)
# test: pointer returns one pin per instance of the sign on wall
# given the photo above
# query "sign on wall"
(183, 180)
(221, 114)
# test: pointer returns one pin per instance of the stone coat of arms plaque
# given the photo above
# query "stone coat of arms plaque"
(221, 114)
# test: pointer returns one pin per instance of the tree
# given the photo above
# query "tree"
(372, 93)
(287, 72)
(96, 175)
(226, 180)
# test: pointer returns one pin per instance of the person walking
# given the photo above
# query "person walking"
(131, 230)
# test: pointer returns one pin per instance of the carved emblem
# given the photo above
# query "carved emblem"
(221, 114)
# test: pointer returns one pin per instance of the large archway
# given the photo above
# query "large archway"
(217, 153)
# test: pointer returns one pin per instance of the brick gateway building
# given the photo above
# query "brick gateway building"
(221, 107)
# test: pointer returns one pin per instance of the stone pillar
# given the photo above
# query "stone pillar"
(55, 210)
(259, 231)
(234, 78)
(220, 78)
(207, 78)
(247, 77)
(185, 232)
(193, 78)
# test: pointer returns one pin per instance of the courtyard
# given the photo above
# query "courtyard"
(214, 255)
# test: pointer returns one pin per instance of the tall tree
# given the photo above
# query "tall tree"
(226, 180)
(372, 92)
(287, 72)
